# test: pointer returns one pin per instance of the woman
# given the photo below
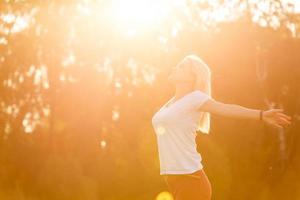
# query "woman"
(176, 122)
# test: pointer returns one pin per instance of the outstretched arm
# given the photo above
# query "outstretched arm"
(275, 117)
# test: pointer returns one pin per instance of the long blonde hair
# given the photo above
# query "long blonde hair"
(202, 83)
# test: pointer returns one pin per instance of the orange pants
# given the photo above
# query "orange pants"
(194, 186)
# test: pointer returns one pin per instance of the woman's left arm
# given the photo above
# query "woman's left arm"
(275, 117)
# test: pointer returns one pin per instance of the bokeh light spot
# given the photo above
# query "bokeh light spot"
(165, 195)
(103, 144)
(115, 115)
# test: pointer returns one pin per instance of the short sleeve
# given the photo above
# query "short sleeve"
(197, 99)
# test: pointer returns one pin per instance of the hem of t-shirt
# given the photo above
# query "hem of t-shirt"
(180, 171)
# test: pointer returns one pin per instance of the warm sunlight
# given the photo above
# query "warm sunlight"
(105, 99)
(134, 15)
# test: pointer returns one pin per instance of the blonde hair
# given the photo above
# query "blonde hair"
(202, 83)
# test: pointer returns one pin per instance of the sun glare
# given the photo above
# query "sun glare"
(138, 17)
(139, 12)
(132, 16)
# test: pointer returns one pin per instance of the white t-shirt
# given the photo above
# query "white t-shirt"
(175, 129)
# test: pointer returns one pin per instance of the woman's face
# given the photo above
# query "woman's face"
(181, 73)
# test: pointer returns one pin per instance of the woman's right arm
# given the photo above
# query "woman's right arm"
(274, 117)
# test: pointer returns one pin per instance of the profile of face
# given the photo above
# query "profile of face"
(182, 74)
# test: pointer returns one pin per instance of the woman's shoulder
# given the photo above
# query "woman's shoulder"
(197, 98)
(199, 93)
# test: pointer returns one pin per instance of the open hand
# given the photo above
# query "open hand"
(276, 117)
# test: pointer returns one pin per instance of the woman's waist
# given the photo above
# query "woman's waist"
(175, 177)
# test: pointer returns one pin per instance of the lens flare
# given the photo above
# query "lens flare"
(165, 195)
(133, 16)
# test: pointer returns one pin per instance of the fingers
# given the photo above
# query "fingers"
(281, 122)
(284, 116)
(276, 124)
(284, 121)
(279, 112)
(278, 118)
